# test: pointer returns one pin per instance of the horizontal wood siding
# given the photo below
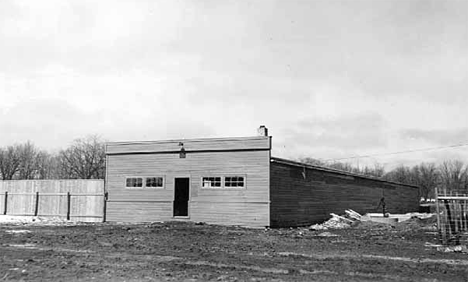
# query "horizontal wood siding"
(299, 201)
(190, 145)
(398, 200)
(250, 214)
(139, 211)
(220, 206)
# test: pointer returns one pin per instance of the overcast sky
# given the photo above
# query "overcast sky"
(330, 79)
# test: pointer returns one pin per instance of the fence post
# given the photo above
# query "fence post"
(439, 228)
(105, 207)
(5, 203)
(68, 205)
(451, 219)
(36, 206)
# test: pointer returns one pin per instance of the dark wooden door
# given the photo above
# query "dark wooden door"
(181, 196)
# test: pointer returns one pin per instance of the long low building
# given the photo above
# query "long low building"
(235, 181)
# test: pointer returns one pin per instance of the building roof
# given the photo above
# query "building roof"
(190, 145)
(222, 144)
(214, 139)
(331, 170)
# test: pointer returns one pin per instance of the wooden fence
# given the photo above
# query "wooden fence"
(75, 200)
(452, 216)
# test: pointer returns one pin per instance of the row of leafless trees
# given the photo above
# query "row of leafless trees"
(449, 175)
(83, 159)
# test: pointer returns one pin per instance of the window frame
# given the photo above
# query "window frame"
(134, 177)
(212, 187)
(144, 179)
(235, 187)
(223, 182)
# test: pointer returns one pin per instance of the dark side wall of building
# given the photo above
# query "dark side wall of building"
(302, 195)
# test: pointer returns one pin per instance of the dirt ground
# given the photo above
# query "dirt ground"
(179, 251)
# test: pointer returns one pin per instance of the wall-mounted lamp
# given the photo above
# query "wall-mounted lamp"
(182, 153)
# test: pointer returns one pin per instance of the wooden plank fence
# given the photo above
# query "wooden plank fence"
(452, 216)
(75, 200)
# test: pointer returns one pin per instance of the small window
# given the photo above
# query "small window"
(234, 181)
(154, 182)
(210, 182)
(144, 182)
(134, 182)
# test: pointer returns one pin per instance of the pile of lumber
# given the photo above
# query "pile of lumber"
(338, 221)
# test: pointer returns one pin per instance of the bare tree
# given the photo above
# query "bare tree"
(336, 165)
(376, 171)
(454, 176)
(28, 161)
(47, 166)
(312, 161)
(426, 176)
(84, 159)
(10, 161)
(400, 174)
(344, 167)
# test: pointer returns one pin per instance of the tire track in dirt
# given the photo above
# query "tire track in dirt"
(185, 261)
(402, 259)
